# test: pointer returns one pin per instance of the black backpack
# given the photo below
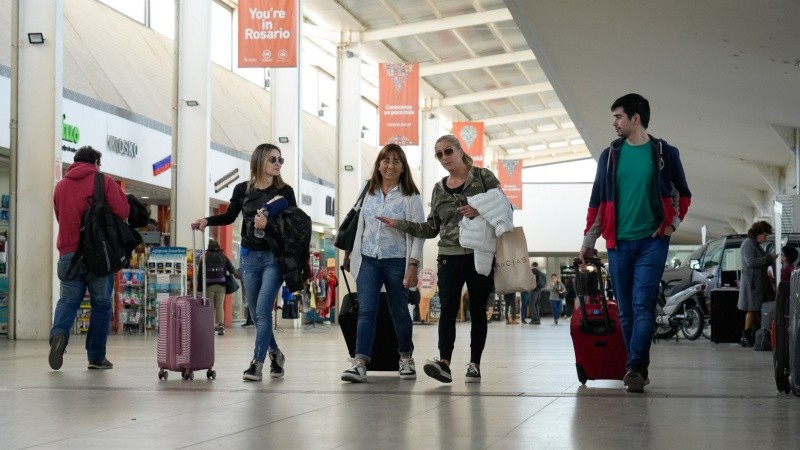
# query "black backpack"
(295, 230)
(106, 241)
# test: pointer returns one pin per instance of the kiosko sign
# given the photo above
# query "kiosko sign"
(121, 146)
(268, 33)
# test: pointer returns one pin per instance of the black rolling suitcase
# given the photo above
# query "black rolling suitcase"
(727, 321)
(385, 355)
(780, 335)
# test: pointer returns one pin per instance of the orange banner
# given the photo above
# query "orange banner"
(509, 172)
(470, 134)
(268, 33)
(399, 103)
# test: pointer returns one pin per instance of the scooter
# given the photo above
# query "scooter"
(680, 311)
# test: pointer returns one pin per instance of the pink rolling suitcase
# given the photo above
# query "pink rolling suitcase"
(186, 332)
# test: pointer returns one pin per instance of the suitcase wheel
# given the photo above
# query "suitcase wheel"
(581, 374)
(211, 374)
(163, 374)
(188, 375)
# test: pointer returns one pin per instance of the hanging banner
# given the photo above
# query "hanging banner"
(399, 103)
(268, 33)
(470, 134)
(509, 172)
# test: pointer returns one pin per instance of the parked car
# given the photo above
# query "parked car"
(718, 262)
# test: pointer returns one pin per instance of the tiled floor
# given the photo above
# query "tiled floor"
(702, 396)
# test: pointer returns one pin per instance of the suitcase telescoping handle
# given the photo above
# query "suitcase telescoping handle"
(592, 264)
(344, 277)
(194, 265)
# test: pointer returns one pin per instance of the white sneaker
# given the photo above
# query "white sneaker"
(408, 370)
(355, 374)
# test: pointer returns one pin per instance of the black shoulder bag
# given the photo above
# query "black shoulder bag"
(346, 236)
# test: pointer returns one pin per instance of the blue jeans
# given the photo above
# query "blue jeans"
(261, 280)
(73, 290)
(636, 268)
(373, 274)
(556, 304)
(523, 304)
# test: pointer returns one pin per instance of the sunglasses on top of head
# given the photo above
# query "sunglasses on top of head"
(447, 152)
(275, 159)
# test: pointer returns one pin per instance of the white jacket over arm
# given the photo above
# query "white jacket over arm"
(480, 233)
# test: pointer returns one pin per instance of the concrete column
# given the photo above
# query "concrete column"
(350, 174)
(287, 116)
(36, 91)
(190, 190)
(430, 176)
(286, 110)
(348, 147)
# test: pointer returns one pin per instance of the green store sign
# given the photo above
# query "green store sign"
(69, 132)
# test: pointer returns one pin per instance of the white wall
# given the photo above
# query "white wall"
(554, 216)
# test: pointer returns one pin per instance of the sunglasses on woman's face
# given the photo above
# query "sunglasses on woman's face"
(447, 152)
(276, 159)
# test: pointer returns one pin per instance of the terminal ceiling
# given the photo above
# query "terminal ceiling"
(723, 78)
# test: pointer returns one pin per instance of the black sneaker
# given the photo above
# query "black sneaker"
(473, 374)
(438, 370)
(634, 381)
(253, 373)
(276, 364)
(104, 364)
(58, 346)
(248, 324)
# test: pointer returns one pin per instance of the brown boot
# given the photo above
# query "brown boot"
(508, 321)
(514, 322)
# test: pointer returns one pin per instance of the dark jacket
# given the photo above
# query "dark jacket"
(669, 188)
(217, 266)
(70, 202)
(248, 201)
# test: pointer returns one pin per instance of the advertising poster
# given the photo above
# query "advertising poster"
(509, 172)
(268, 33)
(470, 134)
(399, 103)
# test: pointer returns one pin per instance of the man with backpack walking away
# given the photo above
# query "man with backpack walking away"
(533, 296)
(72, 197)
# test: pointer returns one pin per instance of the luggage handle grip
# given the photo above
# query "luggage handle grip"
(194, 228)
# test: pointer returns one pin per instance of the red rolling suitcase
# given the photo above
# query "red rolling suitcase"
(186, 332)
(596, 332)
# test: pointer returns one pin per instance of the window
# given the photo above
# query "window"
(713, 254)
(131, 8)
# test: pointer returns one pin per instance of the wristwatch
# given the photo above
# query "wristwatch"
(415, 264)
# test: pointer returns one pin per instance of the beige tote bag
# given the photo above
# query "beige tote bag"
(512, 267)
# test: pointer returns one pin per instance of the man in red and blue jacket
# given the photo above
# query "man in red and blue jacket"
(639, 198)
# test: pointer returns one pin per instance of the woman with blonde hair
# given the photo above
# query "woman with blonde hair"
(259, 267)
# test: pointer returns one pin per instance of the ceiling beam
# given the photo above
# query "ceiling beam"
(492, 94)
(770, 174)
(521, 117)
(545, 159)
(476, 63)
(577, 151)
(535, 137)
(429, 26)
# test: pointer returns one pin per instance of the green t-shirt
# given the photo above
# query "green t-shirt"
(637, 208)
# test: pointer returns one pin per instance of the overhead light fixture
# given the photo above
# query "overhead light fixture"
(192, 103)
(348, 168)
(349, 54)
(283, 140)
(36, 38)
(144, 197)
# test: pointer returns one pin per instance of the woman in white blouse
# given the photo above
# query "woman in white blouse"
(384, 256)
